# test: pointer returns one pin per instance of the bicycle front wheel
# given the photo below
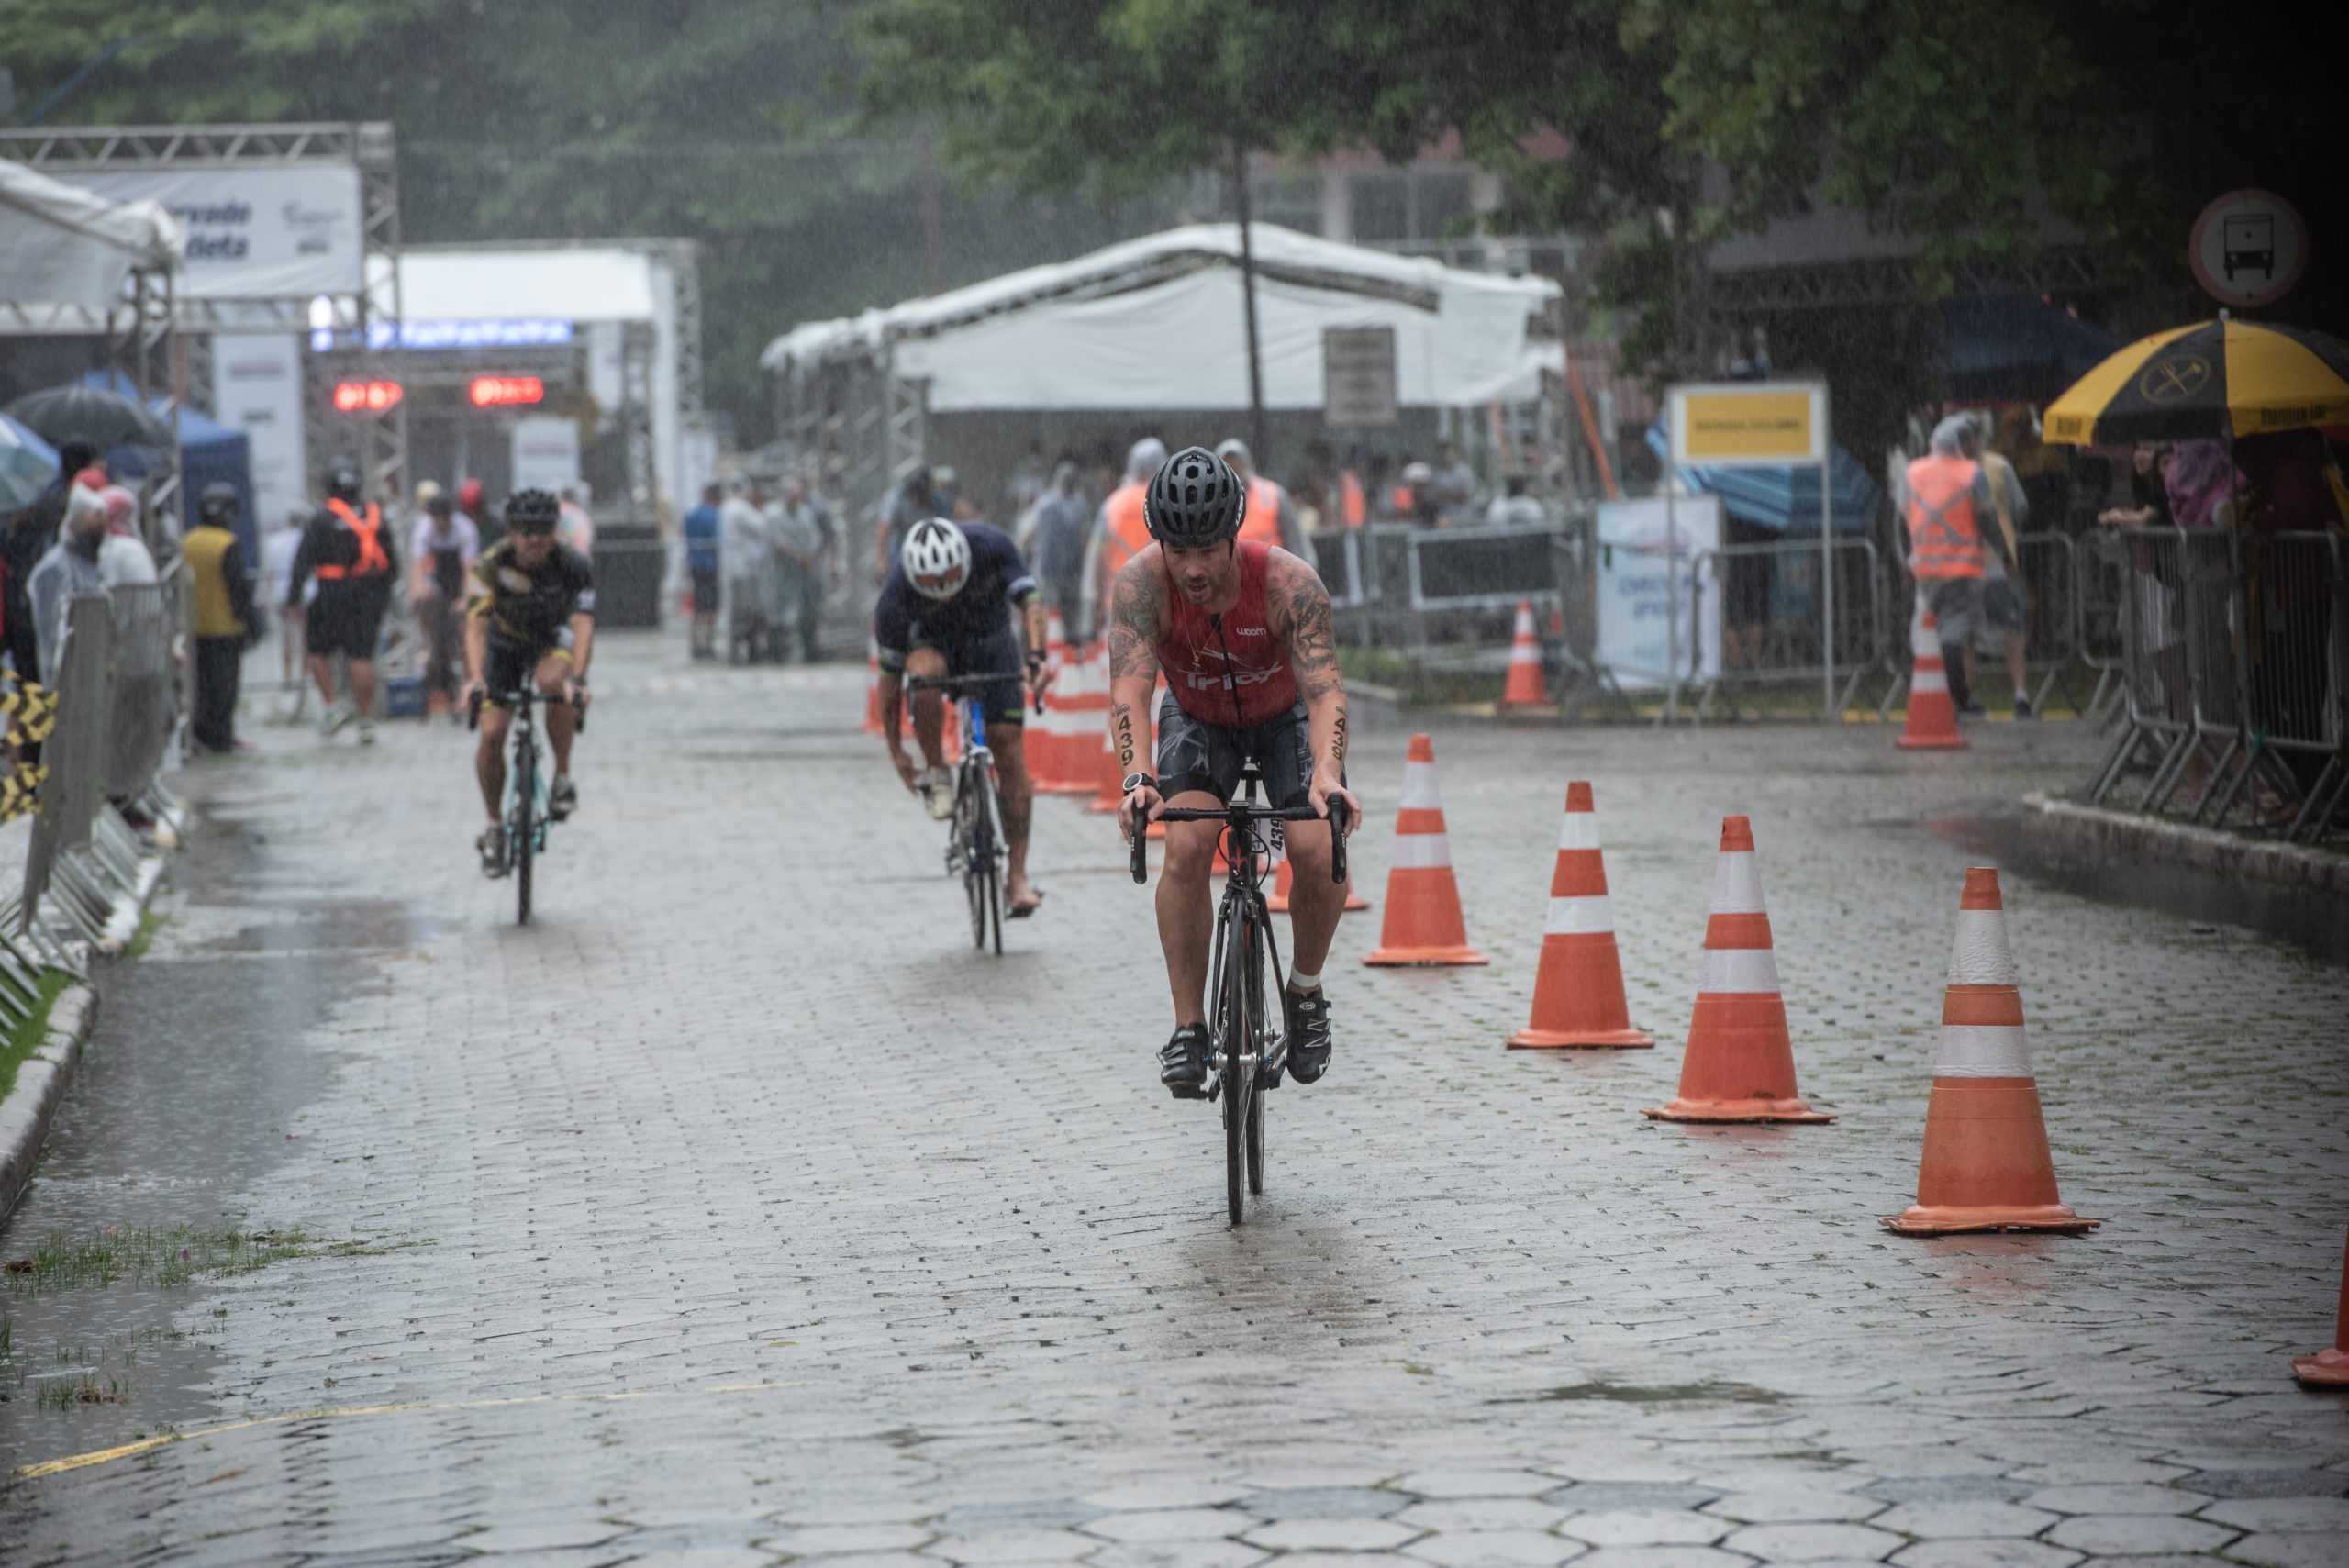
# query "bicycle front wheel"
(969, 833)
(1239, 1039)
(998, 853)
(525, 794)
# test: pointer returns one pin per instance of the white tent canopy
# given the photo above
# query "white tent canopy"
(61, 245)
(1158, 323)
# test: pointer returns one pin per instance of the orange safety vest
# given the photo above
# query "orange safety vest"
(1262, 520)
(1128, 527)
(372, 561)
(1353, 506)
(1944, 536)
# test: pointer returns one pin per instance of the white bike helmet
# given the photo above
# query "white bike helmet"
(936, 557)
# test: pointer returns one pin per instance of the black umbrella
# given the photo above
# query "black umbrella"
(104, 419)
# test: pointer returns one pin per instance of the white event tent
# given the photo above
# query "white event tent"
(65, 254)
(1158, 323)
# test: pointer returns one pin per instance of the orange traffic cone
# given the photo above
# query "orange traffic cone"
(1423, 920)
(1524, 688)
(1739, 1065)
(872, 724)
(1287, 877)
(1067, 727)
(1932, 718)
(1985, 1164)
(2329, 1368)
(1578, 990)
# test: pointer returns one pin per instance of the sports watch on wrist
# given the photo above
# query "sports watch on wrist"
(1136, 781)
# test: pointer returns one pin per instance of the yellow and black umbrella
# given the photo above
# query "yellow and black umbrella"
(2214, 380)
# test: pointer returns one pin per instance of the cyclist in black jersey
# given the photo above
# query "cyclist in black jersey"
(531, 626)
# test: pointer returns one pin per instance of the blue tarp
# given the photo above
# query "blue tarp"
(210, 453)
(1786, 500)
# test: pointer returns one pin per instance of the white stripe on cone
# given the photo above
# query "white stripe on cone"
(1580, 831)
(1585, 915)
(1929, 678)
(1737, 883)
(1982, 1051)
(1738, 970)
(1980, 955)
(1418, 787)
(1421, 852)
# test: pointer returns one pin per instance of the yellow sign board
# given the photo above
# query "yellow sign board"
(1755, 422)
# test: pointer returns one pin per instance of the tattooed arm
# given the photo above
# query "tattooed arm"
(1137, 609)
(1300, 613)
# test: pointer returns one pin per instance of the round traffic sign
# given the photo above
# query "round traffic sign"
(2248, 247)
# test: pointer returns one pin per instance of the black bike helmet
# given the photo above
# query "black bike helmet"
(1194, 500)
(532, 511)
(345, 485)
(218, 502)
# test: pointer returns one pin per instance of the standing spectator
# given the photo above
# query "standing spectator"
(1055, 546)
(915, 498)
(1513, 508)
(442, 550)
(472, 500)
(2148, 491)
(2004, 617)
(124, 560)
(1027, 481)
(1120, 531)
(1414, 500)
(1944, 496)
(573, 525)
(703, 540)
(68, 570)
(23, 545)
(1269, 515)
(1455, 481)
(350, 556)
(277, 547)
(226, 625)
(799, 566)
(749, 552)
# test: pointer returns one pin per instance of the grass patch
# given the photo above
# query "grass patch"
(26, 1037)
(165, 1256)
(149, 924)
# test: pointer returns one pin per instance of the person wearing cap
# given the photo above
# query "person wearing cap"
(1271, 517)
(221, 596)
(68, 570)
(124, 560)
(1121, 530)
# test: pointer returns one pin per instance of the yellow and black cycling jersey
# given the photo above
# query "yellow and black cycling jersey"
(530, 606)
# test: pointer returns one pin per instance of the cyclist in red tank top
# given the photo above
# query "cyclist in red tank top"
(1243, 636)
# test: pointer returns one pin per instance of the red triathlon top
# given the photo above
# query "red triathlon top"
(1240, 656)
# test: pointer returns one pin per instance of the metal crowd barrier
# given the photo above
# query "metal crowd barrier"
(1790, 641)
(141, 703)
(2232, 677)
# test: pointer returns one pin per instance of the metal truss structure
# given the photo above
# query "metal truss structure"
(371, 147)
(1890, 280)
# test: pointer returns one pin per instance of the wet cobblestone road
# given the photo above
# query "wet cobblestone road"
(736, 1212)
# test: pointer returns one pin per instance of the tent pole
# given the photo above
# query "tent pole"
(1256, 445)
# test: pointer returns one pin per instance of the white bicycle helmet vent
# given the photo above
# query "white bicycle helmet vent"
(937, 559)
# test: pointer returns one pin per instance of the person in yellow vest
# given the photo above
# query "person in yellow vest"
(1119, 531)
(1271, 517)
(2005, 615)
(221, 591)
(352, 554)
(1945, 498)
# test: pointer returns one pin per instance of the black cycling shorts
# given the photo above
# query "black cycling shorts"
(1193, 754)
(1005, 700)
(346, 620)
(514, 666)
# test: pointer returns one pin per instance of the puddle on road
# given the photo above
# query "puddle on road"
(1663, 1394)
(190, 1091)
(2309, 921)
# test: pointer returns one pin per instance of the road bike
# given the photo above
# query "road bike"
(1246, 1054)
(977, 850)
(524, 816)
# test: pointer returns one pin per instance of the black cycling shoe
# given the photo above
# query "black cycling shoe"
(1307, 1014)
(1183, 1062)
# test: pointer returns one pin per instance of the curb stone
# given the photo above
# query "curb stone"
(2093, 834)
(40, 1084)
